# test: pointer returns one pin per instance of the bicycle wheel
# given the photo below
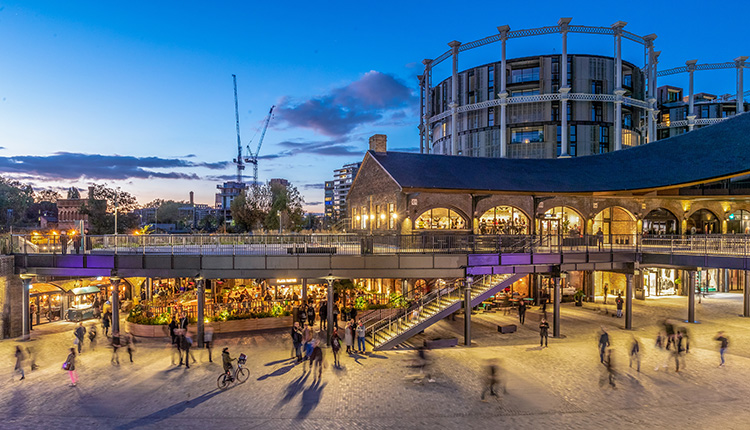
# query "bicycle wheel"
(222, 382)
(242, 375)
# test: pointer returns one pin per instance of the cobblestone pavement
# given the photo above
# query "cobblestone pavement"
(562, 386)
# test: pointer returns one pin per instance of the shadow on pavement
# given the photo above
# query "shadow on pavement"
(311, 398)
(293, 388)
(278, 372)
(536, 348)
(168, 412)
(273, 363)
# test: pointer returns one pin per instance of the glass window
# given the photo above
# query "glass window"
(363, 214)
(561, 220)
(504, 220)
(379, 216)
(627, 119)
(603, 134)
(572, 139)
(490, 117)
(704, 112)
(570, 110)
(392, 215)
(555, 111)
(555, 74)
(491, 76)
(528, 92)
(440, 219)
(596, 111)
(528, 74)
(596, 87)
(527, 134)
(627, 81)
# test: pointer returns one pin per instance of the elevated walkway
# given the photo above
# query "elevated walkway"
(397, 328)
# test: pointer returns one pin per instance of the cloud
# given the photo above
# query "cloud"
(69, 166)
(313, 203)
(338, 113)
(340, 147)
(314, 186)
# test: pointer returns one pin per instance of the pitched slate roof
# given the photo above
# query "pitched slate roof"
(710, 153)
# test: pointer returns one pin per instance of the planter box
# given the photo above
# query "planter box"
(510, 328)
(233, 326)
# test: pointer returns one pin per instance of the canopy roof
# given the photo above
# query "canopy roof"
(708, 154)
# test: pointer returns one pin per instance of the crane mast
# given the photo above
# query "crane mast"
(240, 161)
(254, 156)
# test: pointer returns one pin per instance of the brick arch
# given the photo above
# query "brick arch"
(422, 210)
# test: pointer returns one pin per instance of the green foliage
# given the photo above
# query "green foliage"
(398, 301)
(277, 310)
(100, 207)
(138, 315)
(360, 303)
(15, 200)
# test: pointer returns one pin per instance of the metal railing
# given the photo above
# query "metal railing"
(373, 244)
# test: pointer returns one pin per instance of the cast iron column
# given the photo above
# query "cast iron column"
(330, 310)
(618, 92)
(556, 312)
(564, 88)
(26, 323)
(746, 295)
(740, 61)
(304, 292)
(467, 311)
(691, 96)
(454, 98)
(629, 302)
(201, 296)
(115, 282)
(504, 29)
(691, 297)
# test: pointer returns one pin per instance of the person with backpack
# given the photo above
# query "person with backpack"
(70, 366)
(335, 346)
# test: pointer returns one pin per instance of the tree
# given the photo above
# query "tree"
(15, 200)
(286, 207)
(73, 193)
(100, 207)
(208, 224)
(50, 196)
(249, 210)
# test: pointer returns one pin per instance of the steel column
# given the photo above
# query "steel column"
(115, 283)
(467, 311)
(454, 97)
(503, 92)
(691, 94)
(427, 104)
(746, 295)
(564, 89)
(556, 311)
(691, 297)
(617, 27)
(201, 296)
(629, 302)
(422, 119)
(330, 310)
(26, 312)
(740, 61)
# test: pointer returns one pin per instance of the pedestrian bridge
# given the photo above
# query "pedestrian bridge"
(376, 256)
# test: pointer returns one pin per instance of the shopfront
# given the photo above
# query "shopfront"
(703, 221)
(440, 219)
(660, 222)
(738, 222)
(504, 220)
(82, 303)
(46, 303)
(560, 221)
(617, 224)
(661, 282)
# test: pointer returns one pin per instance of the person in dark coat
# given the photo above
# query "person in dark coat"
(619, 301)
(522, 311)
(184, 321)
(311, 315)
(80, 332)
(172, 327)
(323, 312)
(603, 344)
(106, 320)
(297, 341)
(543, 330)
(335, 346)
(70, 366)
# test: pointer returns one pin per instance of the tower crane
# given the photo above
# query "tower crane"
(239, 161)
(253, 156)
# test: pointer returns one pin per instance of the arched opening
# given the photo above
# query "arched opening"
(561, 220)
(660, 222)
(504, 220)
(440, 219)
(739, 222)
(703, 221)
(617, 224)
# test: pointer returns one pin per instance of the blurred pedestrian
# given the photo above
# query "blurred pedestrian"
(208, 341)
(185, 343)
(79, 333)
(492, 378)
(661, 342)
(297, 341)
(609, 362)
(316, 360)
(20, 357)
(106, 320)
(603, 344)
(361, 337)
(31, 356)
(335, 315)
(723, 344)
(130, 345)
(184, 322)
(335, 346)
(635, 353)
(116, 344)
(543, 330)
(176, 347)
(619, 301)
(70, 366)
(349, 336)
(92, 336)
(425, 366)
(522, 311)
(606, 291)
(311, 315)
(302, 314)
(172, 327)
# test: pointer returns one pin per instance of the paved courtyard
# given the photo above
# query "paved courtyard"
(560, 386)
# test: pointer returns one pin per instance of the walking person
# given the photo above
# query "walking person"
(335, 346)
(522, 311)
(610, 368)
(723, 344)
(185, 343)
(316, 360)
(20, 356)
(491, 380)
(323, 313)
(184, 322)
(302, 314)
(311, 316)
(79, 333)
(349, 337)
(335, 315)
(600, 238)
(635, 353)
(208, 341)
(543, 329)
(603, 344)
(361, 337)
(106, 321)
(424, 364)
(700, 291)
(70, 366)
(92, 337)
(172, 327)
(297, 341)
(130, 345)
(619, 301)
(115, 348)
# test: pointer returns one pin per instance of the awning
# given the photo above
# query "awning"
(85, 290)
(43, 288)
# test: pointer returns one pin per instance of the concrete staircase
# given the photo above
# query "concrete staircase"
(389, 332)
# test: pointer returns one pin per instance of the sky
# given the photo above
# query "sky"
(138, 95)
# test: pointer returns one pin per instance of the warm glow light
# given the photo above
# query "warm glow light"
(54, 232)
(382, 216)
(72, 232)
(357, 217)
(372, 216)
(395, 216)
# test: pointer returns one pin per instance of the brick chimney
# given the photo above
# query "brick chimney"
(191, 198)
(378, 142)
(91, 192)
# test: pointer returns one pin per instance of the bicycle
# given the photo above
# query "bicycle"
(240, 375)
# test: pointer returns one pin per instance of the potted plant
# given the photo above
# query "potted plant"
(578, 297)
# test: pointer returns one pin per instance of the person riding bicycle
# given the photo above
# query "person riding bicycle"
(227, 361)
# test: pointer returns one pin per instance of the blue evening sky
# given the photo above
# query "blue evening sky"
(138, 95)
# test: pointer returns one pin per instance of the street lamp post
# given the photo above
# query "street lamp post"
(201, 296)
(115, 283)
(330, 278)
(467, 308)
